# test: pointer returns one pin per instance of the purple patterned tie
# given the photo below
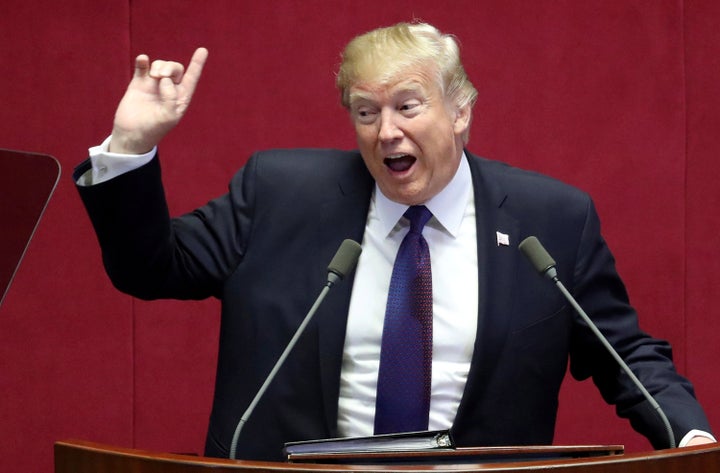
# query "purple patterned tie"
(403, 392)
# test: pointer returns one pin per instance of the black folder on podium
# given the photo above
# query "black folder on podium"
(429, 447)
(27, 180)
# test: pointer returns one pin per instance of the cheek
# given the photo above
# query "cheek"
(364, 137)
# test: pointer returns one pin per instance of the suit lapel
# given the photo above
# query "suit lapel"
(497, 264)
(344, 216)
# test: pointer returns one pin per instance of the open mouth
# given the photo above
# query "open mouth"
(400, 162)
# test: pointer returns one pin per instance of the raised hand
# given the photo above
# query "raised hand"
(156, 99)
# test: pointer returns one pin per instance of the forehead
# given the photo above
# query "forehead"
(409, 82)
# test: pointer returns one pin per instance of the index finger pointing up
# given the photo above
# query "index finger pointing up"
(194, 69)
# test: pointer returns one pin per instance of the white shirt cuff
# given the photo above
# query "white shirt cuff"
(106, 165)
(695, 433)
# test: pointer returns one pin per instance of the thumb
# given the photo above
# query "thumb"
(167, 90)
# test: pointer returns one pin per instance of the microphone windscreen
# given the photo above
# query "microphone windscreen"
(536, 253)
(345, 258)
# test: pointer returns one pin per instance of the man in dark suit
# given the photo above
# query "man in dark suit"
(502, 336)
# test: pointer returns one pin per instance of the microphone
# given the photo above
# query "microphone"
(340, 266)
(545, 265)
(344, 261)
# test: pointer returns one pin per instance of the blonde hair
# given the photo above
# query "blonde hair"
(385, 53)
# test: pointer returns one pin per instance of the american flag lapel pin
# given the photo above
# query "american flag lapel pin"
(502, 239)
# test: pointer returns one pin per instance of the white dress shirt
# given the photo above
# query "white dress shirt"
(451, 237)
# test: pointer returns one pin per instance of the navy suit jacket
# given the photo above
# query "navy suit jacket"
(263, 249)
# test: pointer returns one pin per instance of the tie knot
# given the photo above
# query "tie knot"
(418, 216)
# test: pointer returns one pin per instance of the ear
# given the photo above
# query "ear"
(462, 120)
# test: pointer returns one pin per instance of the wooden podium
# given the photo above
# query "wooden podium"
(88, 457)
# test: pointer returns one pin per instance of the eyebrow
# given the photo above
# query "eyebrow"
(359, 95)
(403, 88)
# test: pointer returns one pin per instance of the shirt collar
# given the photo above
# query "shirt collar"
(448, 206)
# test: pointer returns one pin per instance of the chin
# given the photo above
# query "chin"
(405, 194)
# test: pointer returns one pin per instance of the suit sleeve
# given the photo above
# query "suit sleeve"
(602, 294)
(149, 255)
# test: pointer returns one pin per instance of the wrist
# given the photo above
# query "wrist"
(123, 143)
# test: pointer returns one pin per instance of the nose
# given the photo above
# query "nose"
(389, 129)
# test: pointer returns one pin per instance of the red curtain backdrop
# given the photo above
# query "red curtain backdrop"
(617, 97)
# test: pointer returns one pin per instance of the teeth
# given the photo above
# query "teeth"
(396, 156)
